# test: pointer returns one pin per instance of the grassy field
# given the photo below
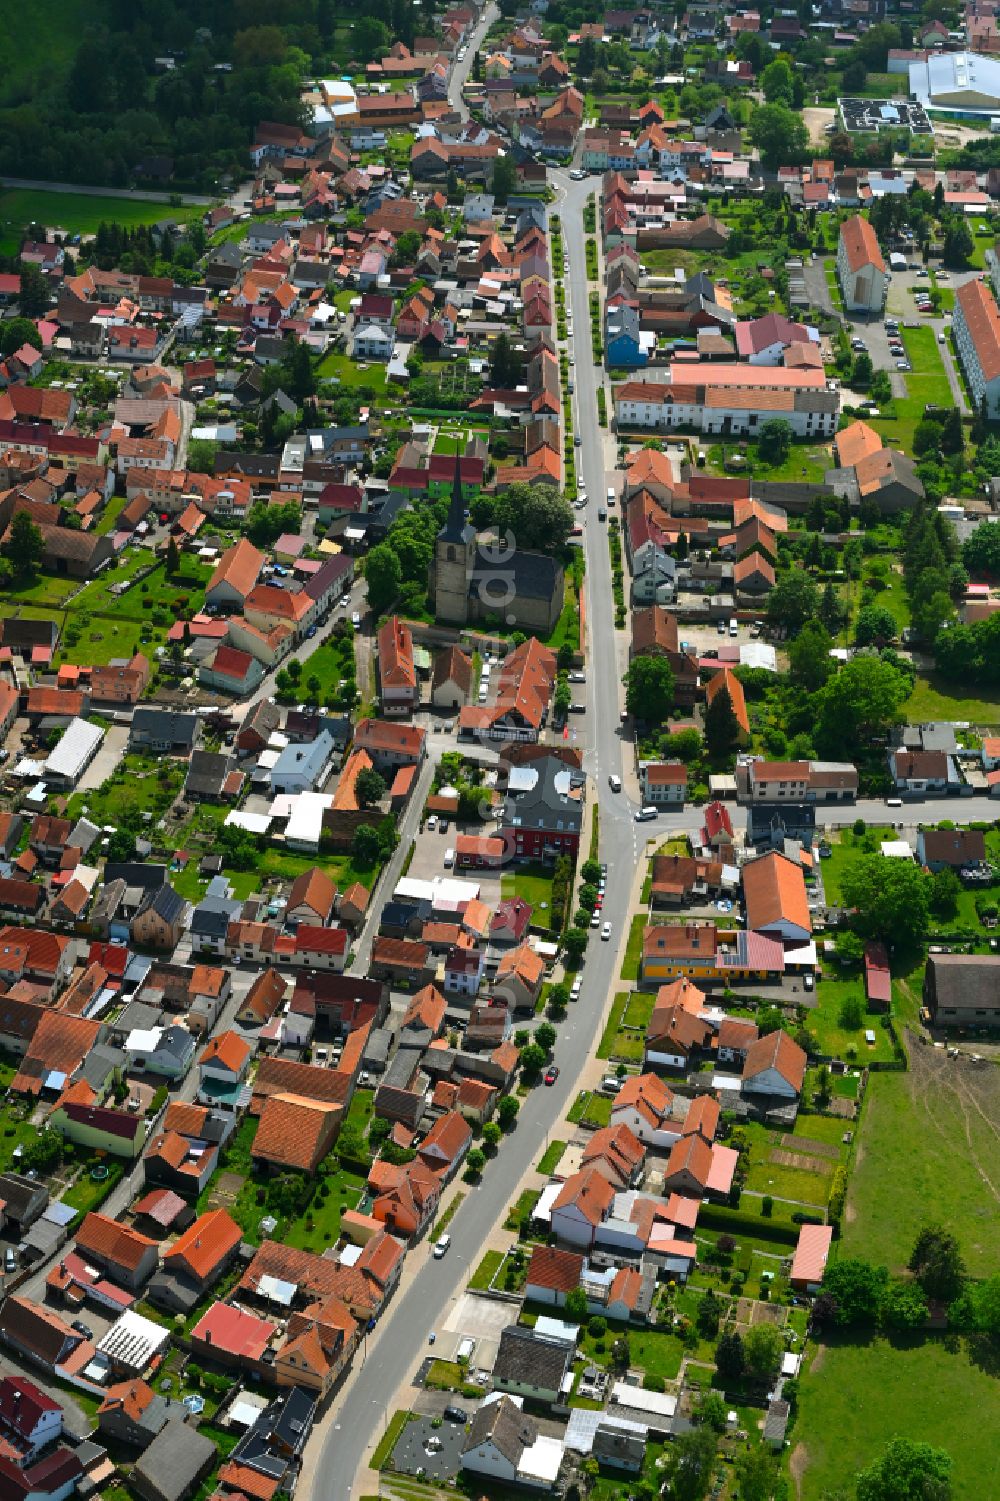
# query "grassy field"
(853, 1398)
(76, 213)
(926, 1151)
(843, 852)
(931, 699)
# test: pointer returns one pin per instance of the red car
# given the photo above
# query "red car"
(551, 1074)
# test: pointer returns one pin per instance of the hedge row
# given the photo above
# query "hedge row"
(735, 1221)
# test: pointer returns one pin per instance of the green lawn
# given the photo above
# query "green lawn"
(341, 367)
(837, 1041)
(550, 1157)
(796, 1185)
(604, 1047)
(179, 594)
(931, 699)
(843, 853)
(927, 383)
(77, 214)
(139, 783)
(533, 884)
(486, 1271)
(633, 947)
(319, 1228)
(925, 1153)
(853, 1398)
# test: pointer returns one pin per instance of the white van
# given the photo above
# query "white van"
(441, 1248)
(646, 813)
(449, 859)
(734, 626)
(611, 496)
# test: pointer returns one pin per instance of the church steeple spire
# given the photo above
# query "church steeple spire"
(454, 529)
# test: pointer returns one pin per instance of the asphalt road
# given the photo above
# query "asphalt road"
(356, 1419)
(461, 70)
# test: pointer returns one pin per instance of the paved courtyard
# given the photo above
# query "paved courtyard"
(425, 1450)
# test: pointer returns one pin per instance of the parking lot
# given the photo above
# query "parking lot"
(479, 1319)
(425, 1450)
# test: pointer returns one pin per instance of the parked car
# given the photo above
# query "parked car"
(456, 1415)
(606, 932)
(551, 1074)
(441, 1247)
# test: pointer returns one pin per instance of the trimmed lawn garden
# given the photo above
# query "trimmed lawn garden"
(319, 1228)
(837, 1040)
(633, 948)
(533, 884)
(853, 1398)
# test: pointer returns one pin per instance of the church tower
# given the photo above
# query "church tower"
(454, 559)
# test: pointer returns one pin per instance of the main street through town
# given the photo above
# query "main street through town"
(343, 1441)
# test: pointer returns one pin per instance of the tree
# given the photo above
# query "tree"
(576, 1305)
(649, 689)
(832, 610)
(889, 899)
(17, 331)
(958, 244)
(475, 1161)
(903, 1306)
(875, 626)
(952, 436)
(504, 366)
(366, 846)
(793, 600)
(981, 550)
(369, 786)
(730, 1358)
(860, 704)
(927, 437)
(369, 39)
(936, 1262)
(775, 441)
(978, 1309)
(266, 523)
(708, 1315)
(507, 1111)
(33, 298)
(713, 1410)
(691, 1457)
(855, 1286)
(809, 660)
(545, 1036)
(201, 456)
(530, 517)
(383, 576)
(722, 729)
(172, 561)
(757, 1472)
(944, 892)
(532, 1060)
(575, 942)
(491, 1135)
(24, 546)
(777, 82)
(906, 1471)
(504, 178)
(851, 1014)
(763, 1347)
(779, 134)
(861, 375)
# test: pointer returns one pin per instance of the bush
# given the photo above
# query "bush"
(767, 1206)
(653, 1384)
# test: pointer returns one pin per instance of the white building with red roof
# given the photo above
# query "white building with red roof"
(861, 269)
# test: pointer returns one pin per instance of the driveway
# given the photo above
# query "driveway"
(107, 760)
